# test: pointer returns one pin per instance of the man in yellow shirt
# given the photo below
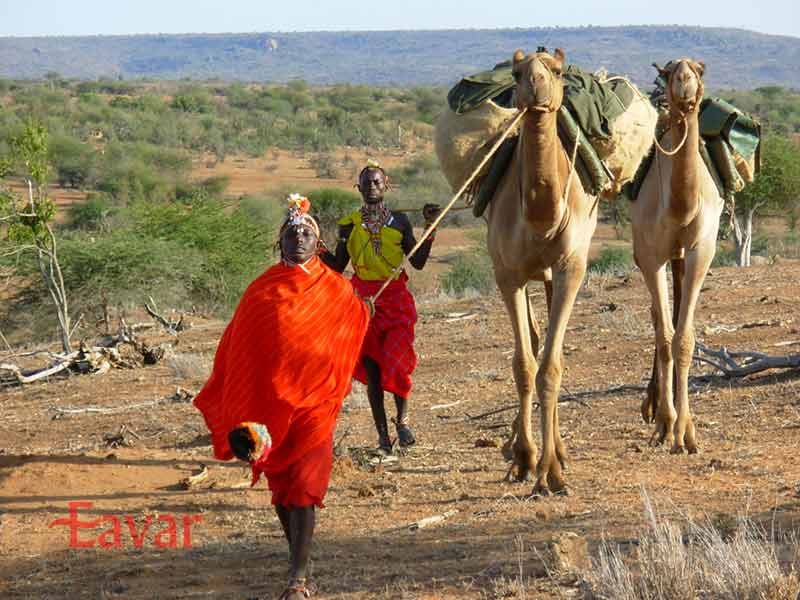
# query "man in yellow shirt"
(375, 240)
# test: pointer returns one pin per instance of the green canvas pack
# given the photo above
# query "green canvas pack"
(588, 109)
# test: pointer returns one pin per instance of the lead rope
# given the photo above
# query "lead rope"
(450, 204)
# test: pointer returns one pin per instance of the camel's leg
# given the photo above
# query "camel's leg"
(651, 400)
(524, 448)
(508, 446)
(533, 325)
(683, 345)
(548, 289)
(656, 282)
(549, 476)
(561, 450)
(536, 337)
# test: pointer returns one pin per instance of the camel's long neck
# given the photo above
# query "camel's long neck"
(685, 182)
(541, 184)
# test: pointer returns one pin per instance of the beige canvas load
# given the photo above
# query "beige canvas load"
(632, 135)
(461, 141)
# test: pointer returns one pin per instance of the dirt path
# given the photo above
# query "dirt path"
(749, 433)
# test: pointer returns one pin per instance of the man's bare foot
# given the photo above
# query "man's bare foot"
(405, 436)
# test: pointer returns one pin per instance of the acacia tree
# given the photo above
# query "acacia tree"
(28, 217)
(777, 186)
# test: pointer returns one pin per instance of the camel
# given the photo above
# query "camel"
(540, 219)
(675, 220)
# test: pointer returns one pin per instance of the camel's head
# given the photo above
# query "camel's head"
(684, 84)
(539, 84)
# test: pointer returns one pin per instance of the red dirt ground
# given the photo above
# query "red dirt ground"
(749, 433)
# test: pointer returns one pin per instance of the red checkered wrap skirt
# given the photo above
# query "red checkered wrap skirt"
(390, 336)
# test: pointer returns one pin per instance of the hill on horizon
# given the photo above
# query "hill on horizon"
(735, 58)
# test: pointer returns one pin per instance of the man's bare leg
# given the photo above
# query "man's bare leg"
(405, 435)
(375, 395)
(301, 529)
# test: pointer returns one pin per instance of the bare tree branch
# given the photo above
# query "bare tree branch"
(748, 362)
(171, 327)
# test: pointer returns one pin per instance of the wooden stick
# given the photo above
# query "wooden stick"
(410, 209)
(428, 521)
(5, 341)
(450, 204)
(451, 404)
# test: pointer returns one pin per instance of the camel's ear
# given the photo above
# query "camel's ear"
(560, 56)
(700, 67)
(519, 56)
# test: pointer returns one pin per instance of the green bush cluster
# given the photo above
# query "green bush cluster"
(471, 272)
(614, 260)
(200, 253)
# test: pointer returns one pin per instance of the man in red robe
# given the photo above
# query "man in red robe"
(281, 371)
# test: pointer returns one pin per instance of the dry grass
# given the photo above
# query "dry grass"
(697, 561)
(189, 367)
(513, 587)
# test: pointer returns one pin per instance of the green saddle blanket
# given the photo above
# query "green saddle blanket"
(593, 104)
(725, 131)
(588, 109)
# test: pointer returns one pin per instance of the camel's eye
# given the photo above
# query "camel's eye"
(557, 72)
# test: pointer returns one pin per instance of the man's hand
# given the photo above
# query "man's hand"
(368, 301)
(430, 212)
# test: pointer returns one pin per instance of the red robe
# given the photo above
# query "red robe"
(286, 360)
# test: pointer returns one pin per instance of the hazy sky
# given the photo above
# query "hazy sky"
(86, 17)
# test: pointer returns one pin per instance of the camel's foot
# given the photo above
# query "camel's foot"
(515, 474)
(649, 404)
(545, 490)
(561, 455)
(662, 433)
(508, 448)
(684, 439)
(549, 478)
(523, 461)
(680, 449)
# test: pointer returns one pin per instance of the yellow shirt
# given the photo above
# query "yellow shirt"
(368, 265)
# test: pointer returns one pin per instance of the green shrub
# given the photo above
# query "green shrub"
(324, 166)
(328, 205)
(724, 257)
(74, 162)
(197, 102)
(234, 248)
(612, 259)
(470, 272)
(129, 267)
(91, 214)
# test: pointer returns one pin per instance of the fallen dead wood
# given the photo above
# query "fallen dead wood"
(428, 521)
(180, 395)
(23, 378)
(173, 327)
(440, 406)
(422, 470)
(197, 478)
(95, 360)
(742, 364)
